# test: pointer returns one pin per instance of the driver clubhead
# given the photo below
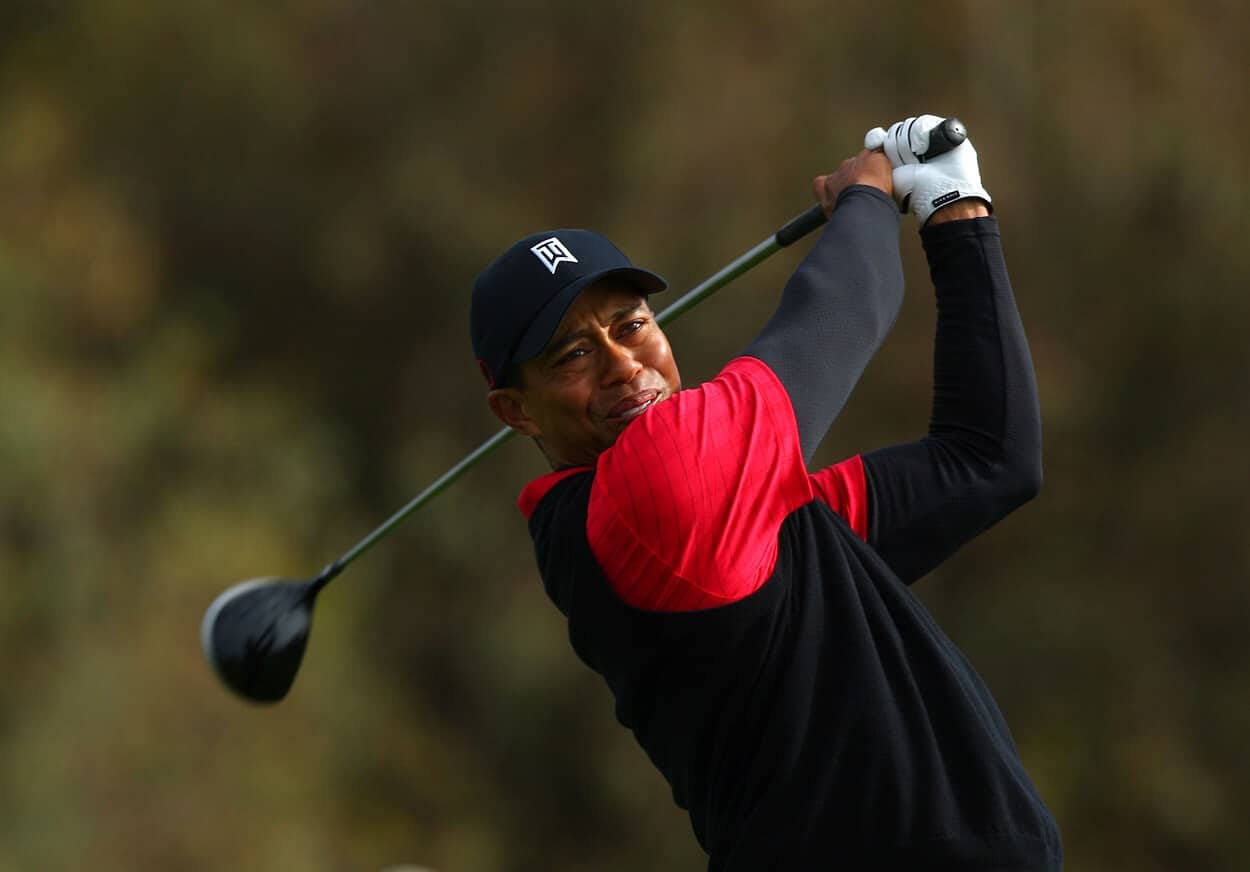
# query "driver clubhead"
(255, 633)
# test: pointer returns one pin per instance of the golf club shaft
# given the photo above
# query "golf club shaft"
(793, 230)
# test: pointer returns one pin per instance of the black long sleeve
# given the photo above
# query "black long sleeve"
(835, 311)
(982, 455)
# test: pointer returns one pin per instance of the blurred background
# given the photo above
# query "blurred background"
(236, 246)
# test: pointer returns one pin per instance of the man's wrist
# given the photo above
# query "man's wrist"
(960, 210)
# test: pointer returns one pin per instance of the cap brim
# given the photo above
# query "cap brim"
(543, 327)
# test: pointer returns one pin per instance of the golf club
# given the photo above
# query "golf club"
(254, 634)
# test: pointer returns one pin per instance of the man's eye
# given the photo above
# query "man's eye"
(572, 355)
(634, 326)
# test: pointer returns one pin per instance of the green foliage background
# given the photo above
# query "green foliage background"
(236, 243)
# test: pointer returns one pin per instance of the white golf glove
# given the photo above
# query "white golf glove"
(924, 186)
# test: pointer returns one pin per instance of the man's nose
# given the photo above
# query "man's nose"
(621, 365)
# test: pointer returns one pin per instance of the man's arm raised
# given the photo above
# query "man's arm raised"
(842, 300)
(982, 455)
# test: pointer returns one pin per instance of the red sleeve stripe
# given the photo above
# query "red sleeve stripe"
(845, 488)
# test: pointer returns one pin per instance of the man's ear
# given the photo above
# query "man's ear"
(509, 407)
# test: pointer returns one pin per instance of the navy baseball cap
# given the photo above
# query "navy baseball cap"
(519, 300)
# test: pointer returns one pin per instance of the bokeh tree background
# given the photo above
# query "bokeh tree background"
(236, 245)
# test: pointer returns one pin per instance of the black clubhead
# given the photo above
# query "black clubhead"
(255, 633)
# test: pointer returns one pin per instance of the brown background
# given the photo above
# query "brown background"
(236, 242)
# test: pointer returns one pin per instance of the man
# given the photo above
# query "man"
(753, 620)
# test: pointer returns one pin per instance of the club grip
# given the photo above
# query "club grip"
(800, 225)
(947, 135)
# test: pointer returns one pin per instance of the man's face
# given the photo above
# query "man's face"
(607, 363)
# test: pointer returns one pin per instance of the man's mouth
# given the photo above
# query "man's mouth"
(633, 406)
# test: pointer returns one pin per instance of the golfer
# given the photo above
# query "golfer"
(753, 619)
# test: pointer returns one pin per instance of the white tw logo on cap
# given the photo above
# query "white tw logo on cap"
(552, 253)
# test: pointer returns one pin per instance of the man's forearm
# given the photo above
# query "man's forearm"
(983, 373)
(835, 311)
(982, 456)
(960, 210)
